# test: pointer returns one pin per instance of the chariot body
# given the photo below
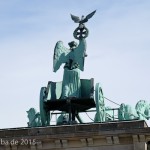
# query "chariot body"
(50, 100)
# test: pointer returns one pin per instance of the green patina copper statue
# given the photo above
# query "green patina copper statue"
(140, 112)
(73, 95)
(73, 59)
(77, 94)
(34, 118)
(74, 62)
(143, 110)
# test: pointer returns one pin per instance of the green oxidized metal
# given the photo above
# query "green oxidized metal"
(74, 95)
(34, 118)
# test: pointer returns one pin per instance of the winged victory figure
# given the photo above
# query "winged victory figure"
(73, 59)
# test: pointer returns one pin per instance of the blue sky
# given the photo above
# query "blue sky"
(118, 50)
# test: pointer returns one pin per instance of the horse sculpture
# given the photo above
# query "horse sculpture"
(34, 118)
(140, 112)
(143, 110)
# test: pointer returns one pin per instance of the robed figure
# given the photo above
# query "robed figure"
(73, 58)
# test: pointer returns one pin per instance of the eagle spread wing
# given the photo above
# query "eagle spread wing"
(61, 55)
(89, 16)
(76, 19)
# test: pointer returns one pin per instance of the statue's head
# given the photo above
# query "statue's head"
(72, 45)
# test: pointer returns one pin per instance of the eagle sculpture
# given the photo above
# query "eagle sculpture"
(83, 19)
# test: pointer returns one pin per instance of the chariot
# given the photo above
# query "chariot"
(50, 100)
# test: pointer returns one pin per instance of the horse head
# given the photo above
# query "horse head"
(31, 114)
(147, 111)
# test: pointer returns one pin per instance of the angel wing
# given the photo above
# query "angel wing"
(80, 54)
(61, 55)
(76, 19)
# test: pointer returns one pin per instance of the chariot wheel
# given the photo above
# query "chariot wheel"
(100, 105)
(45, 116)
(80, 32)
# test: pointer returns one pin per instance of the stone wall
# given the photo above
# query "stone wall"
(126, 135)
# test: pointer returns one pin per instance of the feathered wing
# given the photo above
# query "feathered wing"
(76, 19)
(79, 54)
(90, 15)
(60, 55)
